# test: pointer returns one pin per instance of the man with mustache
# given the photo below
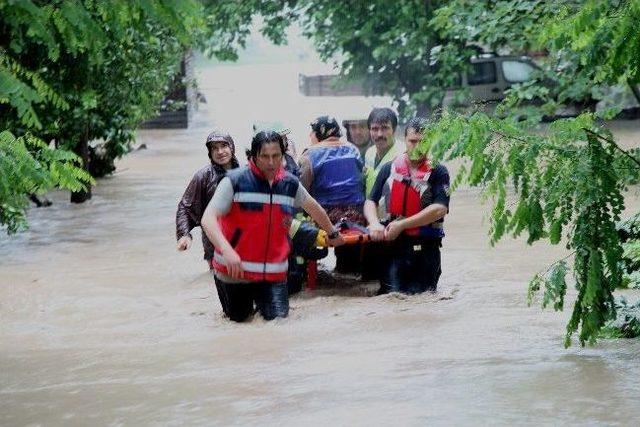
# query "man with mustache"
(412, 194)
(382, 123)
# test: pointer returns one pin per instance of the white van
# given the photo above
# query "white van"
(487, 79)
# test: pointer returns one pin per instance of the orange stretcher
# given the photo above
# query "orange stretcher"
(350, 235)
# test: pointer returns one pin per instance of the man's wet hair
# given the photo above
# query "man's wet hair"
(326, 127)
(383, 115)
(264, 137)
(418, 124)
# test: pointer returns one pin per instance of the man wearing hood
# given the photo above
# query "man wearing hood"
(221, 152)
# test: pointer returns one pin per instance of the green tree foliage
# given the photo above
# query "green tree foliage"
(563, 184)
(519, 26)
(28, 166)
(229, 23)
(499, 25)
(566, 183)
(393, 46)
(629, 231)
(604, 35)
(627, 323)
(589, 45)
(414, 49)
(75, 71)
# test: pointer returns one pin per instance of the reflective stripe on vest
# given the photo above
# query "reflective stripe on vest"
(257, 267)
(277, 199)
(257, 224)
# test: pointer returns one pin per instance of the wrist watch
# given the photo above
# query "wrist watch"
(333, 235)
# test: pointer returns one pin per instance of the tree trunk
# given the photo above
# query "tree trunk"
(82, 150)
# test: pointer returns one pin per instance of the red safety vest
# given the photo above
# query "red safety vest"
(257, 225)
(404, 198)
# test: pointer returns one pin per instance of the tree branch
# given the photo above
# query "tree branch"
(612, 142)
(556, 262)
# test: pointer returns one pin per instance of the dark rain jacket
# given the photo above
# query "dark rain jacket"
(195, 200)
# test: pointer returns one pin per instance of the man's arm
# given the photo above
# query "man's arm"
(214, 233)
(211, 227)
(376, 230)
(435, 211)
(187, 214)
(426, 216)
(306, 172)
(319, 215)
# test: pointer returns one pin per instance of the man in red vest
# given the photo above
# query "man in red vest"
(248, 222)
(413, 198)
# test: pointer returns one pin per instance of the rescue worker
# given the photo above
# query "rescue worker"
(289, 158)
(414, 197)
(248, 221)
(331, 170)
(196, 197)
(382, 124)
(290, 154)
(297, 265)
(358, 134)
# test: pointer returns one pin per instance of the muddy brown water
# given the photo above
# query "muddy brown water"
(102, 322)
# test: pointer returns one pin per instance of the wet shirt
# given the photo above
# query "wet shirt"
(223, 197)
(438, 180)
(222, 201)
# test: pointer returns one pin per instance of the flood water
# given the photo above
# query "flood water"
(102, 322)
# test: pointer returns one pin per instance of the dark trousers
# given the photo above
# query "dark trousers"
(238, 299)
(375, 256)
(348, 259)
(296, 275)
(413, 267)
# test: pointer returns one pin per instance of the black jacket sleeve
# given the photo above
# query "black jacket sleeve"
(378, 186)
(440, 182)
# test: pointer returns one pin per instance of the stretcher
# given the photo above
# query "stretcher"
(351, 233)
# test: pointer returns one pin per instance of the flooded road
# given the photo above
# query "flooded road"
(104, 323)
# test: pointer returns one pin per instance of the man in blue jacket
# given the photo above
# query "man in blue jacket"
(331, 170)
